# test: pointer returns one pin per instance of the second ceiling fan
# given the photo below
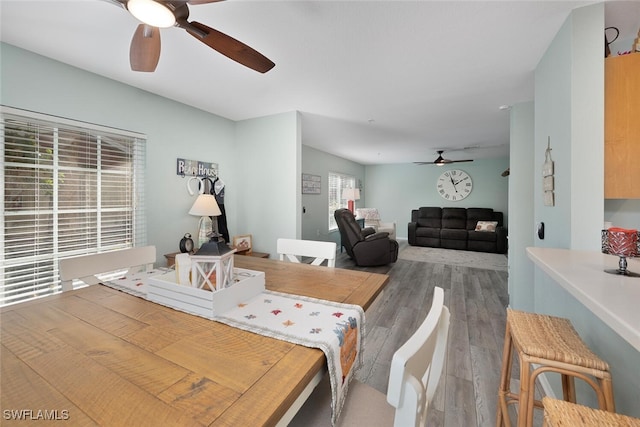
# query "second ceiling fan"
(144, 53)
(442, 161)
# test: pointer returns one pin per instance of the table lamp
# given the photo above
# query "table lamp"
(623, 243)
(351, 195)
(205, 207)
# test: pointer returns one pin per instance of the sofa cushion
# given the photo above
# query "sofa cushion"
(486, 226)
(428, 232)
(430, 222)
(454, 218)
(478, 214)
(430, 212)
(453, 234)
(482, 236)
(430, 217)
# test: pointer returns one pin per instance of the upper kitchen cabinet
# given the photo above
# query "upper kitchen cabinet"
(622, 127)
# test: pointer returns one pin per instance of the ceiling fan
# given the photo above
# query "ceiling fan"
(145, 45)
(442, 161)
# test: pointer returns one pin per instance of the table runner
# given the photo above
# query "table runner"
(134, 283)
(335, 328)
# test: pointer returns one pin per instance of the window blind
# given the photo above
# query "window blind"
(69, 188)
(337, 183)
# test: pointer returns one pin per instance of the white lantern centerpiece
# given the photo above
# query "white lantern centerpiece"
(212, 266)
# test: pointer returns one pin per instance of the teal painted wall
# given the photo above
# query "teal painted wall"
(569, 107)
(623, 213)
(398, 188)
(521, 205)
(315, 218)
(248, 153)
(268, 170)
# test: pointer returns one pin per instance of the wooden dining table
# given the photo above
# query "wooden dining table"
(99, 356)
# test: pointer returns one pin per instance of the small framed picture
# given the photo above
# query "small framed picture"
(311, 184)
(243, 243)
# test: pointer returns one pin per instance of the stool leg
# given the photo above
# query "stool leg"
(568, 388)
(502, 418)
(524, 418)
(607, 391)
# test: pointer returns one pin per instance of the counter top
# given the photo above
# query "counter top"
(613, 298)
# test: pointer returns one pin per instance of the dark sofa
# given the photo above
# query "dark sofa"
(455, 228)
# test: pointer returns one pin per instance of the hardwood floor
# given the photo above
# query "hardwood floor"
(477, 299)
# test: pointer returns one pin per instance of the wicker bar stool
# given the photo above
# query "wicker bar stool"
(553, 345)
(558, 413)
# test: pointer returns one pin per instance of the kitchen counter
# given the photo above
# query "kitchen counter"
(613, 298)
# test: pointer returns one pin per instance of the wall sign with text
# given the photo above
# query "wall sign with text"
(186, 167)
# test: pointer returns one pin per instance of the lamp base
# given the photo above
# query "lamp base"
(351, 206)
(622, 268)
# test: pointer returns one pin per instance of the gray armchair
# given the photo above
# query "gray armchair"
(365, 246)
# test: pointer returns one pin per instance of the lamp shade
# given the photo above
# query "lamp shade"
(205, 205)
(351, 194)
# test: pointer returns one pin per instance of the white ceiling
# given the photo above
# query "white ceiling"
(375, 81)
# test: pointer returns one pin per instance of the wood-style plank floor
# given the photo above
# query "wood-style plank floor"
(477, 299)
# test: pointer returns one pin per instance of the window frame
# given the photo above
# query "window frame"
(113, 172)
(337, 183)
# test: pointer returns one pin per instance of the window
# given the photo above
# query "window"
(337, 183)
(70, 189)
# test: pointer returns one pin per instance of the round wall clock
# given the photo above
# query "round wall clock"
(454, 185)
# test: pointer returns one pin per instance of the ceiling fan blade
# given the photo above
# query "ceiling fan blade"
(442, 161)
(145, 48)
(229, 47)
(119, 3)
(194, 2)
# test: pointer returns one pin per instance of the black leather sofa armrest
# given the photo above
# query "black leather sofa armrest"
(376, 236)
(367, 231)
(412, 232)
(501, 240)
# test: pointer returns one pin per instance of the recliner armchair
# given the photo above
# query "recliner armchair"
(365, 246)
(372, 219)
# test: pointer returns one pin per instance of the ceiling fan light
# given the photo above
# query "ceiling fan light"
(152, 13)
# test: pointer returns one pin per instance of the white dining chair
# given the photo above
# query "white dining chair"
(87, 267)
(416, 368)
(292, 249)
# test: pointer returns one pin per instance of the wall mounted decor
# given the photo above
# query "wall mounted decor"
(311, 184)
(186, 167)
(547, 176)
(454, 185)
